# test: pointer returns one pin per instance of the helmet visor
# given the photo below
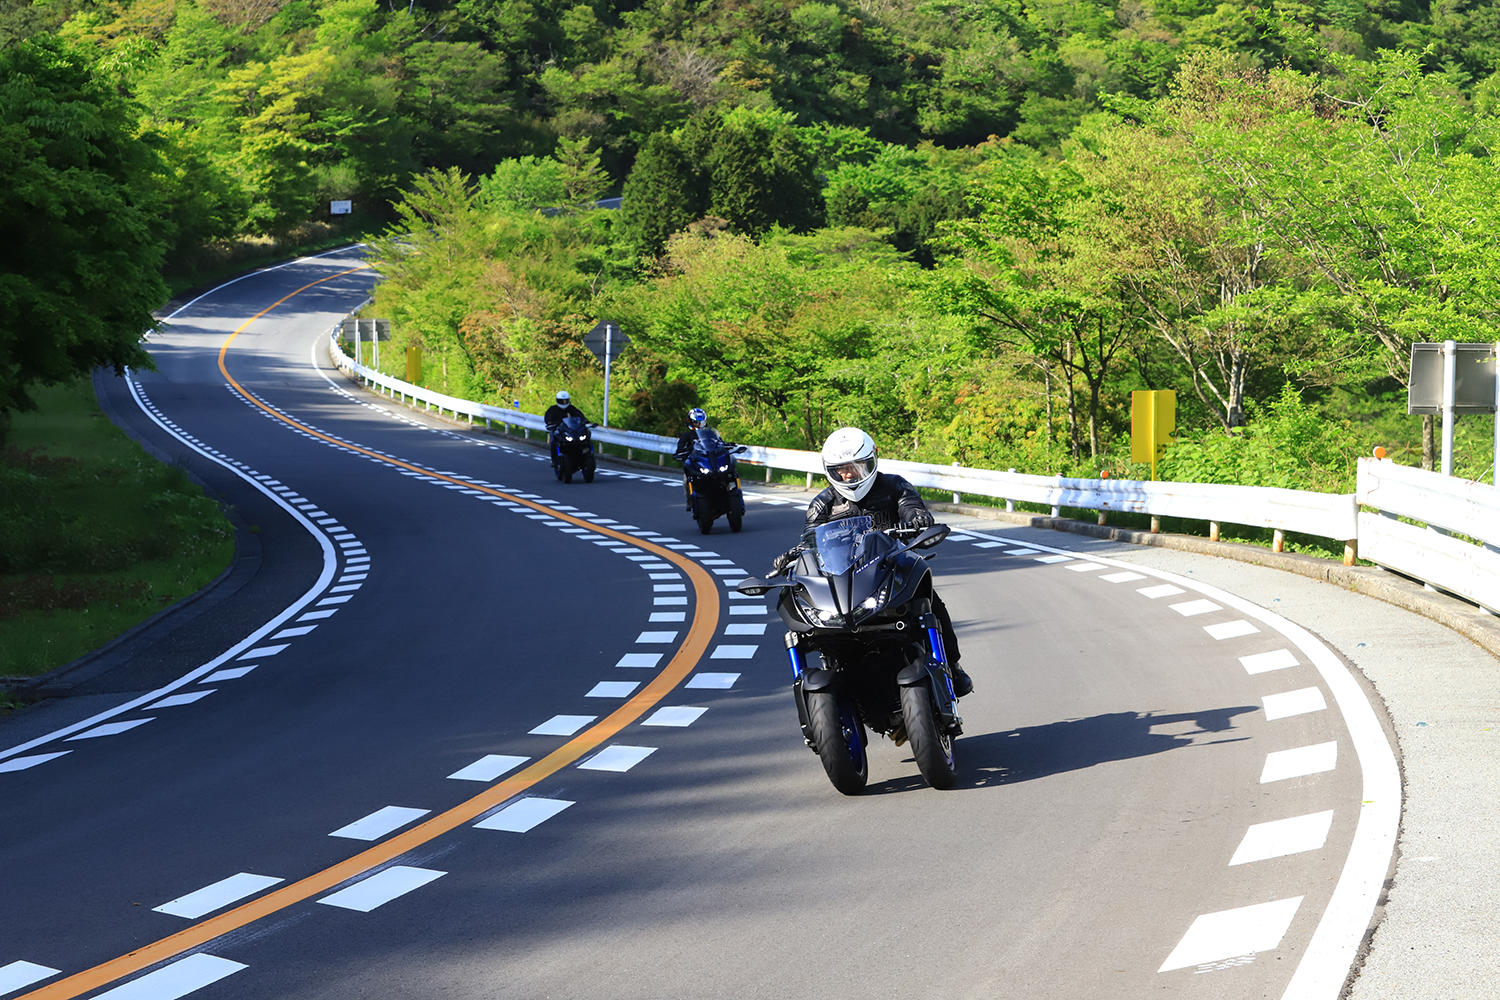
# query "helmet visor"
(854, 471)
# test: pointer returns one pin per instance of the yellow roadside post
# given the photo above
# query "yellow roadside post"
(1153, 418)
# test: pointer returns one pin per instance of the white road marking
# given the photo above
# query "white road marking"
(732, 571)
(1083, 566)
(1123, 577)
(212, 897)
(714, 562)
(292, 633)
(652, 638)
(680, 715)
(639, 660)
(172, 701)
(613, 689)
(523, 814)
(22, 763)
(317, 615)
(489, 767)
(18, 974)
(176, 980)
(743, 609)
(666, 576)
(1160, 590)
(1231, 630)
(380, 888)
(1189, 608)
(228, 674)
(1282, 837)
(563, 725)
(1053, 558)
(1228, 933)
(262, 651)
(745, 628)
(747, 597)
(662, 617)
(328, 600)
(712, 680)
(1299, 762)
(1276, 659)
(729, 651)
(380, 822)
(668, 602)
(1020, 552)
(668, 588)
(1289, 703)
(616, 758)
(988, 545)
(109, 729)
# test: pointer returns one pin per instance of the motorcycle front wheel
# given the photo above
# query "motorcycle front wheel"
(839, 739)
(930, 745)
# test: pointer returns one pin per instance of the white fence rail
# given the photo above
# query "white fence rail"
(1431, 552)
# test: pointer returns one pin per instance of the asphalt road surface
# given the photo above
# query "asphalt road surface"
(451, 728)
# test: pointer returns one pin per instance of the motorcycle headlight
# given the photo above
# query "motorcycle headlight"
(567, 437)
(827, 619)
(702, 468)
(875, 601)
(723, 468)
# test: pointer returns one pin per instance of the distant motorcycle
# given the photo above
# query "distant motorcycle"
(573, 450)
(714, 481)
(862, 600)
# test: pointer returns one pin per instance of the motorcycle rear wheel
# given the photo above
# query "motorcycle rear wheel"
(930, 745)
(840, 741)
(736, 521)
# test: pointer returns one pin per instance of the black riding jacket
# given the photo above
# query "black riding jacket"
(892, 502)
(557, 414)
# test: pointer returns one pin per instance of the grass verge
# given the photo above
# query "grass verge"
(95, 535)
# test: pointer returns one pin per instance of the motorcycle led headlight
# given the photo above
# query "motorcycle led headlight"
(724, 468)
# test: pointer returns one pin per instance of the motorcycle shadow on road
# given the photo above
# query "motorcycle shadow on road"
(1033, 752)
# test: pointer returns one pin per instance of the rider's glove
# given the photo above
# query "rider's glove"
(919, 520)
(781, 562)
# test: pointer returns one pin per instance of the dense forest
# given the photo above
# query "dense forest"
(971, 228)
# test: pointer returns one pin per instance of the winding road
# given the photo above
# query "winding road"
(451, 728)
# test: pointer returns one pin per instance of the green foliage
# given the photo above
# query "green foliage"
(79, 239)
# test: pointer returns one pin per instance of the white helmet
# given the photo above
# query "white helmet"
(849, 461)
(563, 399)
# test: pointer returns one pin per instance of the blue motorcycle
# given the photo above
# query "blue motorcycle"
(713, 481)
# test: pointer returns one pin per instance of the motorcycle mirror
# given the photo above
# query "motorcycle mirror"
(740, 448)
(752, 585)
(931, 536)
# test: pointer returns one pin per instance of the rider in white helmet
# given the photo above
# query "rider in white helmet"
(856, 488)
(561, 408)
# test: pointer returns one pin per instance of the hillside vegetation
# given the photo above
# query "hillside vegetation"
(971, 228)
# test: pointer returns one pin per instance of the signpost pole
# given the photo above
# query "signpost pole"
(609, 333)
(1495, 469)
(1450, 369)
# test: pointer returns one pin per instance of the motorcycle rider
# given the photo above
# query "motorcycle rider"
(697, 420)
(561, 409)
(854, 489)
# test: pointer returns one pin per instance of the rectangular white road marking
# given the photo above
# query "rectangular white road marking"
(22, 763)
(379, 823)
(212, 897)
(292, 633)
(613, 689)
(1300, 762)
(732, 652)
(1276, 659)
(1124, 577)
(489, 767)
(1231, 630)
(1190, 608)
(109, 729)
(669, 588)
(317, 615)
(641, 660)
(1020, 552)
(19, 974)
(382, 887)
(746, 597)
(662, 617)
(988, 545)
(652, 638)
(172, 701)
(523, 814)
(716, 562)
(714, 681)
(228, 674)
(563, 725)
(732, 571)
(747, 609)
(665, 576)
(617, 758)
(259, 651)
(1290, 703)
(1084, 566)
(745, 628)
(1214, 937)
(1281, 837)
(681, 715)
(1160, 590)
(1053, 559)
(669, 602)
(176, 980)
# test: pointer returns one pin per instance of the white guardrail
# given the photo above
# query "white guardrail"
(1455, 547)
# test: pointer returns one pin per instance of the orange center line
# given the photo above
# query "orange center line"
(700, 634)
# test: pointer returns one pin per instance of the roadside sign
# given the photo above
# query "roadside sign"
(1473, 379)
(1153, 418)
(606, 340)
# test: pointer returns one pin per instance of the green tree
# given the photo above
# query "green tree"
(79, 245)
(663, 193)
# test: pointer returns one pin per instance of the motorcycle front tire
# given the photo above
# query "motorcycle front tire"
(839, 739)
(930, 745)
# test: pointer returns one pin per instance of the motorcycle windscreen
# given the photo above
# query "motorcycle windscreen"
(842, 545)
(707, 442)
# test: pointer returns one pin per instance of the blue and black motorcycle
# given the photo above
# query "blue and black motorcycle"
(713, 481)
(861, 600)
(573, 449)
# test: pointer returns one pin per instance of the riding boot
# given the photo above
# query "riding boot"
(962, 683)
